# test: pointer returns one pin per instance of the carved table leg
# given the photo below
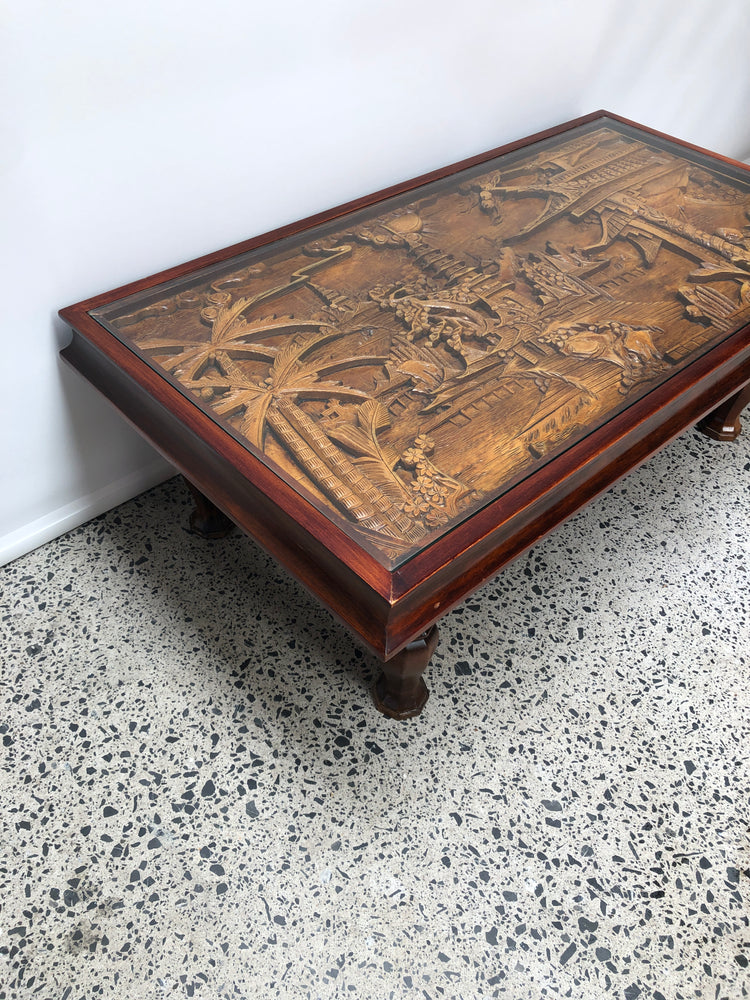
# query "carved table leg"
(724, 423)
(400, 692)
(206, 519)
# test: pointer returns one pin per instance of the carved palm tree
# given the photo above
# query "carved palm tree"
(295, 374)
(349, 466)
(231, 337)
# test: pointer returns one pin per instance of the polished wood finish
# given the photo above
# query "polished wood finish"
(206, 519)
(394, 444)
(400, 691)
(723, 424)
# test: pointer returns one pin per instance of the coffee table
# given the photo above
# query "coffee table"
(398, 396)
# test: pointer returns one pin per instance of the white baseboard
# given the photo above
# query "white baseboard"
(57, 522)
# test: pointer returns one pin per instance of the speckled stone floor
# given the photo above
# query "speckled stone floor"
(198, 798)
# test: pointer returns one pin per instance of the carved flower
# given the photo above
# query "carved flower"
(411, 457)
(435, 516)
(425, 444)
(415, 507)
(423, 484)
(437, 492)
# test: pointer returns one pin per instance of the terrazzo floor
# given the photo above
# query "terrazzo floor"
(199, 799)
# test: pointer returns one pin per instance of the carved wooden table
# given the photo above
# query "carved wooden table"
(398, 396)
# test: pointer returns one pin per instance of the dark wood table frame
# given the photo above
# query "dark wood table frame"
(393, 610)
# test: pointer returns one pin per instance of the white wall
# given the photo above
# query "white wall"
(137, 135)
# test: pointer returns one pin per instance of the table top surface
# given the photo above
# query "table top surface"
(404, 365)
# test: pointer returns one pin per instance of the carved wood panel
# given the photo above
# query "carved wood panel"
(406, 364)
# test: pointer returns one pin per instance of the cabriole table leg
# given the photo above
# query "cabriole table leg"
(723, 424)
(206, 519)
(400, 692)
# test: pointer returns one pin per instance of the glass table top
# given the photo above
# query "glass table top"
(406, 364)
